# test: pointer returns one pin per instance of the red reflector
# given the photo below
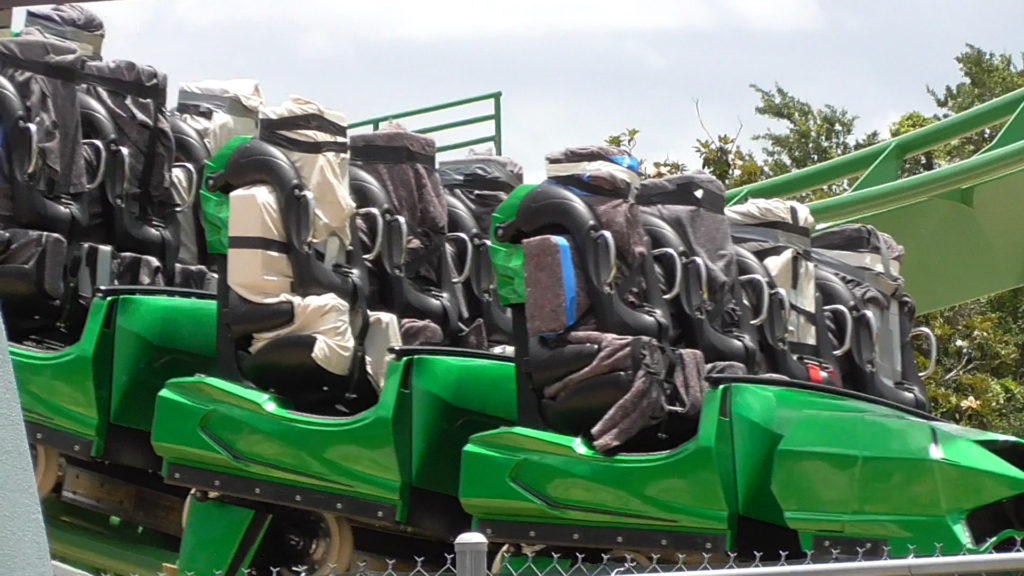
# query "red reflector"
(815, 374)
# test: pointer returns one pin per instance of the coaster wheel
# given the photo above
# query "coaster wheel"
(46, 464)
(300, 542)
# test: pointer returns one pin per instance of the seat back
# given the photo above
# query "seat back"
(778, 233)
(315, 140)
(685, 219)
(863, 267)
(397, 178)
(43, 130)
(190, 156)
(146, 214)
(475, 186)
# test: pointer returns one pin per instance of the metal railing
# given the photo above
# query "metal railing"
(475, 556)
(494, 117)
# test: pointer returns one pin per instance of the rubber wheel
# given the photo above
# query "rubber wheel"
(641, 560)
(46, 462)
(305, 543)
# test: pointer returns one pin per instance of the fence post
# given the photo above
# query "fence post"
(471, 554)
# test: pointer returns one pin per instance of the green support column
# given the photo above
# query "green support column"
(220, 538)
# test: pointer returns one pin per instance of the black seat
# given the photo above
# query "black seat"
(684, 217)
(393, 172)
(42, 177)
(475, 290)
(587, 335)
(778, 233)
(858, 269)
(284, 365)
(475, 187)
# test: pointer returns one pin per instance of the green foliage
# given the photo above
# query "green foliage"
(980, 371)
(808, 136)
(724, 159)
(627, 141)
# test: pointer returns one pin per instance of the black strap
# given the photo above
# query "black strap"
(680, 196)
(193, 109)
(48, 69)
(382, 154)
(149, 156)
(258, 243)
(156, 93)
(477, 184)
(303, 146)
(314, 122)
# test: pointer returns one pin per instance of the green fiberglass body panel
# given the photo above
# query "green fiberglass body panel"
(529, 476)
(428, 408)
(129, 347)
(156, 339)
(69, 389)
(822, 466)
(454, 398)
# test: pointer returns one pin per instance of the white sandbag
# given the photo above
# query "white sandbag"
(221, 109)
(778, 232)
(258, 274)
(324, 316)
(382, 334)
(325, 173)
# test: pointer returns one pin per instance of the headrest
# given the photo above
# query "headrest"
(864, 246)
(495, 173)
(242, 98)
(70, 22)
(859, 238)
(316, 141)
(393, 144)
(602, 170)
(698, 189)
(785, 215)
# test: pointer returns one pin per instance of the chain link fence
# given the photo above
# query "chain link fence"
(474, 556)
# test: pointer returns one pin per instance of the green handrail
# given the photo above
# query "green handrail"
(885, 158)
(494, 116)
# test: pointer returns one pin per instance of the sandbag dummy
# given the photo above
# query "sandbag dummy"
(315, 140)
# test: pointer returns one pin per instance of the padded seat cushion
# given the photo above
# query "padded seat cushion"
(286, 364)
(194, 277)
(325, 318)
(32, 263)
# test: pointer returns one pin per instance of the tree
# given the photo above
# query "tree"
(808, 136)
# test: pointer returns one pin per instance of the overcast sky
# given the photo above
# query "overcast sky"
(571, 71)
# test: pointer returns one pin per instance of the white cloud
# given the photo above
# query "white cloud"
(417, 20)
(777, 15)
